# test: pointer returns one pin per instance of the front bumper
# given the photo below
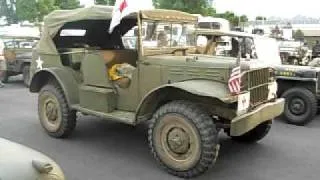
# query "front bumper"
(246, 122)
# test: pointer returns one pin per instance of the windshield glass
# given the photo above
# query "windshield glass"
(161, 35)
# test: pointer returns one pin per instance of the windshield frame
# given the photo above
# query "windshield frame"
(147, 51)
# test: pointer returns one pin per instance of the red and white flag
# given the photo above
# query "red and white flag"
(121, 9)
(234, 81)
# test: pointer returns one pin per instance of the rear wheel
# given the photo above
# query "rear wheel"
(183, 139)
(55, 115)
(26, 75)
(300, 106)
(255, 134)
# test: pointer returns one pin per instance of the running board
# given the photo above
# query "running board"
(118, 116)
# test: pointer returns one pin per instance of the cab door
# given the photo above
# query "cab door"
(96, 91)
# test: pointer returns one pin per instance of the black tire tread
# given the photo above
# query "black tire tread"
(26, 79)
(207, 130)
(68, 116)
(312, 101)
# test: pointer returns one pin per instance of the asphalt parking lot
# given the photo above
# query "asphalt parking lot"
(100, 150)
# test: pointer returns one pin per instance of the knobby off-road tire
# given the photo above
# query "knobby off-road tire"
(183, 139)
(26, 75)
(55, 115)
(300, 106)
(255, 134)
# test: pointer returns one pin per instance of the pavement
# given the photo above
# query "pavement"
(103, 150)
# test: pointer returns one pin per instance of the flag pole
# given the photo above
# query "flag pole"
(239, 53)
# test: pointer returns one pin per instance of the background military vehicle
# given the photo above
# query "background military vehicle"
(79, 67)
(20, 162)
(297, 84)
(18, 54)
(316, 50)
(294, 53)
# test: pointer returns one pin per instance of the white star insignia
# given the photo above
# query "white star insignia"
(39, 63)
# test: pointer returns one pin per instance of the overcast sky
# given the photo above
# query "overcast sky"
(281, 8)
(253, 8)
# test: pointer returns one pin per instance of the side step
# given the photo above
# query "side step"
(118, 116)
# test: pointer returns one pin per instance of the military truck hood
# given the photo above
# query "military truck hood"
(16, 162)
(194, 60)
(296, 71)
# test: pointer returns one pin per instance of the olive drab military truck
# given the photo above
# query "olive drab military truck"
(79, 67)
(297, 84)
(18, 54)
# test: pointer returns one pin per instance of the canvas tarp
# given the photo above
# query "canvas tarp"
(55, 20)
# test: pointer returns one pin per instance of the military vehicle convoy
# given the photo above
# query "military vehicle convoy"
(297, 84)
(18, 54)
(20, 162)
(78, 66)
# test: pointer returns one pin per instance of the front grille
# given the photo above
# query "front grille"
(256, 81)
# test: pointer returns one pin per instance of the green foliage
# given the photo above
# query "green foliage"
(67, 4)
(7, 10)
(298, 35)
(234, 19)
(260, 18)
(244, 18)
(105, 2)
(190, 6)
(44, 7)
(198, 7)
(27, 10)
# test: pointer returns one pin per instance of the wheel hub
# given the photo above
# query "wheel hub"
(297, 106)
(51, 111)
(178, 141)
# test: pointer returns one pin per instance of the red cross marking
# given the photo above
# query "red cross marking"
(123, 5)
(244, 101)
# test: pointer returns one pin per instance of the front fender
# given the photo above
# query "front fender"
(205, 88)
(198, 88)
(64, 77)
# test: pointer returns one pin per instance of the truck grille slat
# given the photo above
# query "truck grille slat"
(256, 81)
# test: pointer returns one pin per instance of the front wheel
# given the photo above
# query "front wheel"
(55, 115)
(183, 139)
(255, 134)
(300, 106)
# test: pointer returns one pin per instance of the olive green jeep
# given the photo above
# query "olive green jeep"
(18, 54)
(79, 67)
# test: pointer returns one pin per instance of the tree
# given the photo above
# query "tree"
(27, 10)
(244, 18)
(105, 2)
(260, 18)
(190, 6)
(67, 4)
(298, 35)
(231, 17)
(7, 9)
(45, 7)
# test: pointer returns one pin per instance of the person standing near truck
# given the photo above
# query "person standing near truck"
(3, 65)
